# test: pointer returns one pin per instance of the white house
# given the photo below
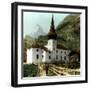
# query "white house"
(49, 53)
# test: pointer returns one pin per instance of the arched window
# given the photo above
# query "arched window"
(49, 57)
(56, 56)
(65, 52)
(61, 57)
(42, 56)
(56, 51)
(37, 56)
(61, 51)
(37, 50)
(49, 52)
(65, 58)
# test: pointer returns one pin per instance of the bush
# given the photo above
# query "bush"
(74, 65)
(30, 70)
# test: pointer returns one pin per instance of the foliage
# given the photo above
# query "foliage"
(42, 40)
(73, 64)
(28, 41)
(30, 70)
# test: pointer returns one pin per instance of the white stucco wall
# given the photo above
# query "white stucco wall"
(52, 44)
(45, 56)
(56, 55)
(32, 55)
(29, 56)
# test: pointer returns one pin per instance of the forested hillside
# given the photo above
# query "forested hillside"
(69, 32)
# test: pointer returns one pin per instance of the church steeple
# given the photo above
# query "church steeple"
(52, 33)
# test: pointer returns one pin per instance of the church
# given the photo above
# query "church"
(50, 53)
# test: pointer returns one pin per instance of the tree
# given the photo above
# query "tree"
(28, 41)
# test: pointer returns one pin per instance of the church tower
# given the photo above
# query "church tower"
(52, 36)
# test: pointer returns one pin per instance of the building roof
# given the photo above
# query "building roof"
(59, 46)
(41, 47)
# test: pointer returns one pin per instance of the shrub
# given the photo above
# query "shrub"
(30, 70)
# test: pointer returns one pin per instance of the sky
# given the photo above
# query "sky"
(32, 21)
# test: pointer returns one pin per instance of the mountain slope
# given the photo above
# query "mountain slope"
(69, 31)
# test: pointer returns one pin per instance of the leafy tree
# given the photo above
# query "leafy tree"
(28, 41)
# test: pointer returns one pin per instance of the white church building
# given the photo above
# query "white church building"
(49, 53)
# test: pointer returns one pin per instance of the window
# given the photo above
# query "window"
(56, 56)
(61, 51)
(65, 58)
(37, 56)
(56, 51)
(49, 57)
(65, 52)
(61, 57)
(49, 52)
(37, 50)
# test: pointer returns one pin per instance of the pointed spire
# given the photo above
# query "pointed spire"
(52, 33)
(52, 24)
